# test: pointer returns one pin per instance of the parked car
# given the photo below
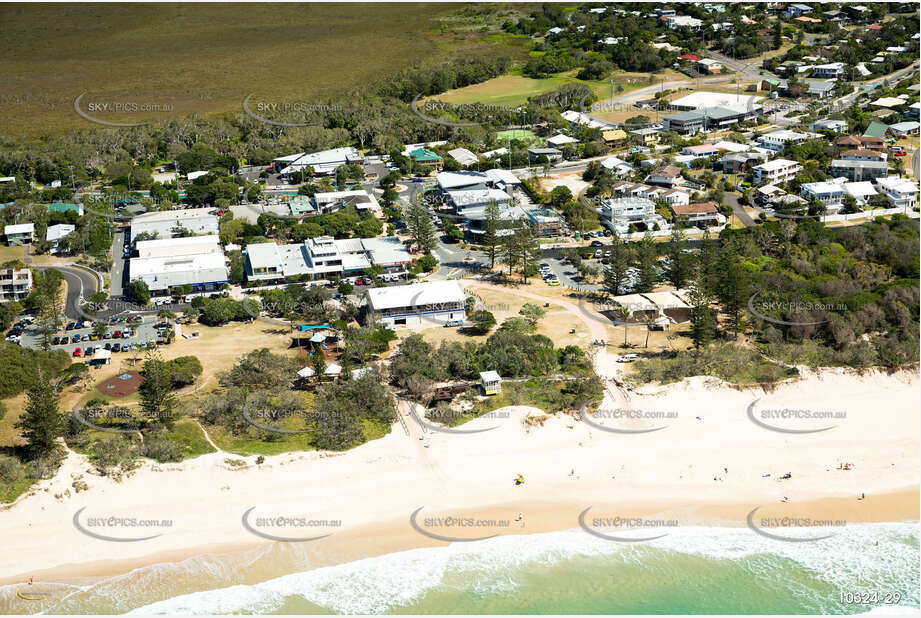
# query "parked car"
(453, 323)
(117, 334)
(77, 352)
(70, 326)
(75, 339)
(107, 346)
(628, 358)
(596, 243)
(116, 347)
(56, 341)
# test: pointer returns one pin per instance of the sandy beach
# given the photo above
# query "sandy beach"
(709, 464)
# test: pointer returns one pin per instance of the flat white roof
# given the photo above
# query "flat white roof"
(776, 164)
(174, 215)
(198, 174)
(490, 376)
(59, 231)
(731, 146)
(263, 255)
(456, 180)
(428, 293)
(19, 228)
(185, 241)
(697, 100)
(896, 184)
(500, 175)
(560, 139)
(477, 196)
(464, 156)
(819, 188)
(167, 265)
(860, 189)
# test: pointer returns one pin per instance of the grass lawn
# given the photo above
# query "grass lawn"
(205, 58)
(12, 253)
(514, 89)
(522, 134)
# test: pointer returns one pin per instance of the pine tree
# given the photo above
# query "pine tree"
(529, 249)
(646, 262)
(421, 228)
(734, 287)
(703, 320)
(491, 226)
(678, 259)
(157, 400)
(706, 275)
(615, 268)
(42, 423)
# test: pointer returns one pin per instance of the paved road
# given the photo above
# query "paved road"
(119, 271)
(81, 284)
(733, 200)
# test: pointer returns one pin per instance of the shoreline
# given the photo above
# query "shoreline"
(569, 466)
(387, 537)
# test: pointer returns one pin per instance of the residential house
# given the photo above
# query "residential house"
(740, 162)
(424, 156)
(777, 140)
(901, 129)
(615, 137)
(703, 150)
(674, 22)
(19, 234)
(860, 154)
(617, 166)
(55, 233)
(829, 71)
(876, 129)
(860, 191)
(15, 283)
(858, 170)
(666, 176)
(704, 214)
(797, 10)
(778, 170)
(645, 137)
(820, 89)
(901, 192)
(559, 140)
(836, 126)
(862, 142)
(830, 194)
(708, 65)
(621, 213)
(552, 154)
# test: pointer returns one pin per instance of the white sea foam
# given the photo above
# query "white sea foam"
(880, 556)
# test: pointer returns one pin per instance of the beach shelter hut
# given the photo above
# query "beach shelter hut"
(318, 338)
(491, 382)
(306, 372)
(102, 357)
(333, 369)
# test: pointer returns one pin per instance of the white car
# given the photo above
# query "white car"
(628, 358)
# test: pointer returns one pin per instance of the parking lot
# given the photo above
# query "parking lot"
(143, 332)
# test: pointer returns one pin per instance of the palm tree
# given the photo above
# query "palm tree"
(648, 320)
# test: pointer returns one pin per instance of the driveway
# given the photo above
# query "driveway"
(733, 200)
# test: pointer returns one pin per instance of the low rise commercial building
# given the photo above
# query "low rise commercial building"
(166, 264)
(172, 223)
(432, 303)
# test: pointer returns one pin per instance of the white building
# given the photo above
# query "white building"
(19, 234)
(838, 126)
(15, 283)
(777, 140)
(478, 198)
(702, 100)
(778, 170)
(463, 156)
(324, 162)
(332, 201)
(201, 271)
(831, 70)
(177, 247)
(620, 213)
(860, 191)
(448, 181)
(169, 223)
(682, 21)
(831, 194)
(901, 192)
(433, 302)
(561, 140)
(55, 233)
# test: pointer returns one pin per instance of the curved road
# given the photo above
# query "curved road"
(81, 285)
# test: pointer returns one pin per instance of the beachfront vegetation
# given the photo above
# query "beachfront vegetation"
(799, 293)
(262, 407)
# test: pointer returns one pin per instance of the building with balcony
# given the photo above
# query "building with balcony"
(432, 303)
(15, 283)
(778, 170)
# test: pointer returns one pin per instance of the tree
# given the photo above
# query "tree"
(615, 268)
(421, 228)
(733, 289)
(530, 251)
(42, 423)
(318, 363)
(624, 314)
(706, 276)
(100, 328)
(138, 292)
(646, 264)
(483, 320)
(47, 299)
(532, 313)
(156, 396)
(678, 259)
(703, 320)
(491, 226)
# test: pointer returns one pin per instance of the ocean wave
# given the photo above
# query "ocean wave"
(860, 556)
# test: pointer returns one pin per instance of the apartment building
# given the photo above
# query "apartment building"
(778, 170)
(15, 283)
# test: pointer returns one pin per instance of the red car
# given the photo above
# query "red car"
(117, 334)
(77, 352)
(901, 153)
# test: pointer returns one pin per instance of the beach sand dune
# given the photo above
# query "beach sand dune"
(707, 462)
